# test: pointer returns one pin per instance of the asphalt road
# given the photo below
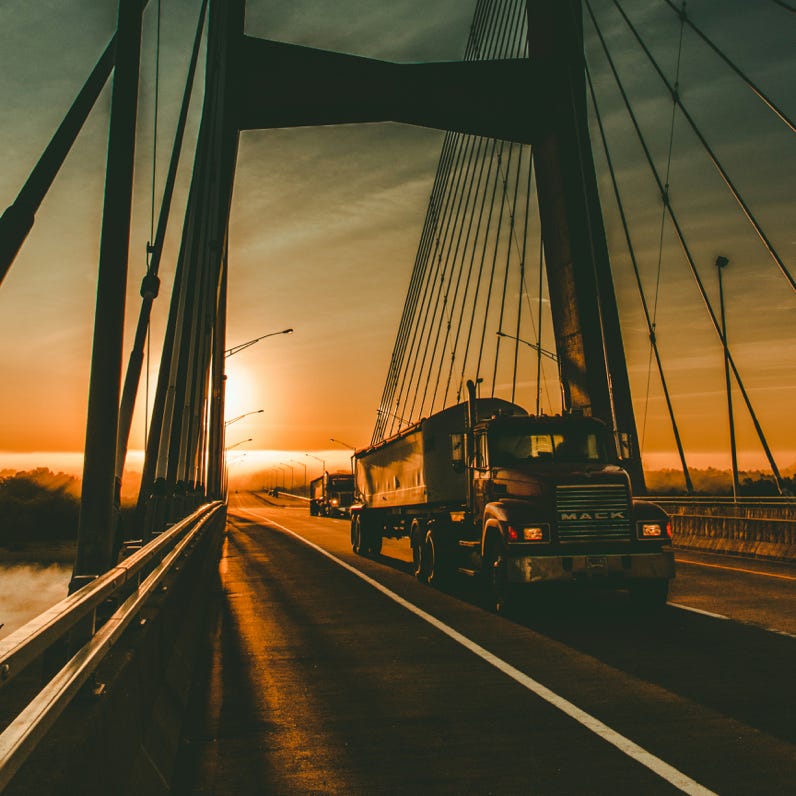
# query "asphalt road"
(333, 673)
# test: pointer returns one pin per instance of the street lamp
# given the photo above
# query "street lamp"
(240, 417)
(304, 484)
(323, 463)
(236, 348)
(291, 475)
(540, 352)
(535, 346)
(344, 444)
(721, 264)
(230, 447)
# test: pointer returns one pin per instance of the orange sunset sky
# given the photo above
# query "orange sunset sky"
(325, 224)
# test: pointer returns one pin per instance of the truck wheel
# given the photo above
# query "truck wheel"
(650, 594)
(417, 537)
(376, 540)
(498, 589)
(432, 566)
(356, 535)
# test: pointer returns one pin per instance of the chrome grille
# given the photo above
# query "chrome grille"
(593, 512)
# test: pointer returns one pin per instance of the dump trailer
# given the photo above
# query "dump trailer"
(485, 489)
(332, 494)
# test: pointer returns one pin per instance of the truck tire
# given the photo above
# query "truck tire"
(357, 543)
(432, 562)
(417, 535)
(375, 540)
(498, 591)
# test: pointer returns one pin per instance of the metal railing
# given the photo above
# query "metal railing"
(130, 584)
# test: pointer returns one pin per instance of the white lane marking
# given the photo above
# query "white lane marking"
(721, 616)
(697, 611)
(631, 749)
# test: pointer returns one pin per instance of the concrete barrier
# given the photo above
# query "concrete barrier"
(756, 529)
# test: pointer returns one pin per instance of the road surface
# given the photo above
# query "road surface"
(333, 673)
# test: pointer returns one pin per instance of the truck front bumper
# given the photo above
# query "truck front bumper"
(614, 569)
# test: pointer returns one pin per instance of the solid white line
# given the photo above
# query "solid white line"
(721, 616)
(631, 749)
(697, 611)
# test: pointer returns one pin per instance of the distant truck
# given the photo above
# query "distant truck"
(485, 489)
(331, 495)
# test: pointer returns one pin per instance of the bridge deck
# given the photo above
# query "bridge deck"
(320, 682)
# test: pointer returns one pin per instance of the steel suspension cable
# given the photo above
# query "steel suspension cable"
(681, 12)
(713, 159)
(511, 233)
(686, 251)
(439, 315)
(443, 170)
(410, 369)
(666, 187)
(636, 272)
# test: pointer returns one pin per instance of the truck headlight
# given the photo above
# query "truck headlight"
(529, 533)
(651, 530)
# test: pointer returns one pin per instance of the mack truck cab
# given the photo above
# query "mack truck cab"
(519, 501)
(552, 503)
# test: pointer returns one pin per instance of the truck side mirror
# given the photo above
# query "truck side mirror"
(457, 452)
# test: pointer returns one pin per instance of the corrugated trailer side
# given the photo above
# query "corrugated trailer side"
(415, 468)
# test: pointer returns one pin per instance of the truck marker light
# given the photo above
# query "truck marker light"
(512, 534)
(650, 530)
(533, 534)
(669, 530)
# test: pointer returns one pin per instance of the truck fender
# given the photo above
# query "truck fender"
(492, 527)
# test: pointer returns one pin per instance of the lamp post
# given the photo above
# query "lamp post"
(240, 417)
(721, 264)
(290, 466)
(345, 445)
(236, 348)
(230, 447)
(535, 346)
(540, 352)
(281, 468)
(302, 464)
(323, 463)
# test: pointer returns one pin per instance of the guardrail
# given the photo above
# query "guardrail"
(128, 585)
(756, 527)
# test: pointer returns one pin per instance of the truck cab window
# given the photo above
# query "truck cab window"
(509, 446)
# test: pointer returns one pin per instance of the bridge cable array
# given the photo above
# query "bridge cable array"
(481, 201)
(458, 298)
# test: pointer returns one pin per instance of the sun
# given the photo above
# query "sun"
(240, 391)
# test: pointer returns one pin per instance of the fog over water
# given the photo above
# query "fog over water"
(26, 590)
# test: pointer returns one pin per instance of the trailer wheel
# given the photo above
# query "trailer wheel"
(356, 535)
(375, 540)
(416, 539)
(433, 565)
(498, 589)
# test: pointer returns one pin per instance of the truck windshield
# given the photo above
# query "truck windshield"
(553, 443)
(343, 483)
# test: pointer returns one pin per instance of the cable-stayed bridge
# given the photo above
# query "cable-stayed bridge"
(592, 202)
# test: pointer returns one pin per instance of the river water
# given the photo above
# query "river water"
(26, 590)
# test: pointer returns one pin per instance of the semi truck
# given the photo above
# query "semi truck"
(484, 489)
(331, 494)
